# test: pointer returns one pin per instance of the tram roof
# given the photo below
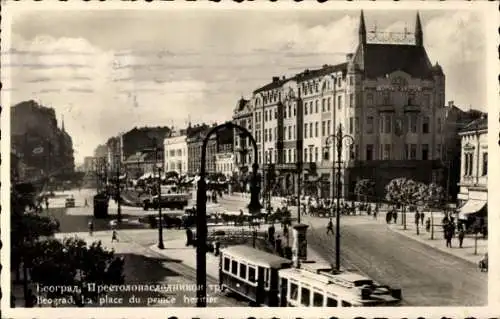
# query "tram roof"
(320, 283)
(256, 256)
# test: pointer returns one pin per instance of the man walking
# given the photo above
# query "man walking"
(461, 235)
(329, 228)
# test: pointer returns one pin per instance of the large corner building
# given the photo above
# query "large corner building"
(388, 96)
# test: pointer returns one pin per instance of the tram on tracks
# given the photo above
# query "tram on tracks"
(265, 279)
(252, 273)
(316, 285)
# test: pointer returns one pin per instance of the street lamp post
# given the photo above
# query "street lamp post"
(339, 139)
(160, 224)
(201, 205)
(118, 194)
(156, 150)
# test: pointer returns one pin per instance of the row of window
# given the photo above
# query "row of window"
(314, 299)
(469, 164)
(175, 166)
(244, 271)
(224, 167)
(386, 152)
(177, 152)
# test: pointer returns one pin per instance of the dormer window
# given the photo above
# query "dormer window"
(411, 99)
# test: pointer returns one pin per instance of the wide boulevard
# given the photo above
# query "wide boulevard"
(428, 277)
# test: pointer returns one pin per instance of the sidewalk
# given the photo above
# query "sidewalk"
(424, 237)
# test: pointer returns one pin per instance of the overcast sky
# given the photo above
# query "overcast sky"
(108, 71)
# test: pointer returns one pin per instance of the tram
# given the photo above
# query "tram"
(316, 285)
(252, 273)
(265, 279)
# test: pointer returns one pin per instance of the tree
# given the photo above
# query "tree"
(73, 263)
(365, 187)
(405, 192)
(434, 198)
(26, 230)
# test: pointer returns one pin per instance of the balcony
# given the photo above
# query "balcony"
(412, 108)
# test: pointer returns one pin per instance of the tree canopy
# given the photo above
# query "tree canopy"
(365, 187)
(405, 191)
(73, 263)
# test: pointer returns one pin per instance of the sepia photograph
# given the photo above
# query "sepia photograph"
(248, 158)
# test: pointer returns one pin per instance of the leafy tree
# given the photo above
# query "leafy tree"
(26, 230)
(405, 192)
(365, 187)
(434, 196)
(73, 263)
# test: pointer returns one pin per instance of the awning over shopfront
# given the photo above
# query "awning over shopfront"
(472, 206)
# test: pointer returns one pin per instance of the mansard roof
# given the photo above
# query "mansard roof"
(377, 60)
(325, 70)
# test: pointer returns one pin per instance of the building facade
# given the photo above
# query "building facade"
(222, 141)
(140, 139)
(243, 115)
(224, 163)
(176, 154)
(473, 196)
(387, 96)
(44, 148)
(455, 120)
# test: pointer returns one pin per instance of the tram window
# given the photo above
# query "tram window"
(305, 297)
(294, 291)
(227, 263)
(317, 299)
(251, 274)
(243, 271)
(330, 302)
(346, 304)
(234, 267)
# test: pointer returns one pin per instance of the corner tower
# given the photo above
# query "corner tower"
(419, 34)
(362, 29)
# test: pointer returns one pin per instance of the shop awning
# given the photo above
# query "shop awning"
(472, 206)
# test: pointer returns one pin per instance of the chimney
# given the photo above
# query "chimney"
(276, 78)
(299, 247)
(450, 103)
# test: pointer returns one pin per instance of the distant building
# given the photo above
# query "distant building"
(139, 139)
(45, 149)
(473, 196)
(223, 140)
(224, 163)
(176, 153)
(243, 152)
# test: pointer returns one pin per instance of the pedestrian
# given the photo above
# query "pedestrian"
(422, 217)
(375, 212)
(388, 217)
(461, 235)
(329, 228)
(189, 236)
(86, 203)
(395, 216)
(91, 227)
(114, 236)
(428, 225)
(277, 245)
(417, 217)
(47, 203)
